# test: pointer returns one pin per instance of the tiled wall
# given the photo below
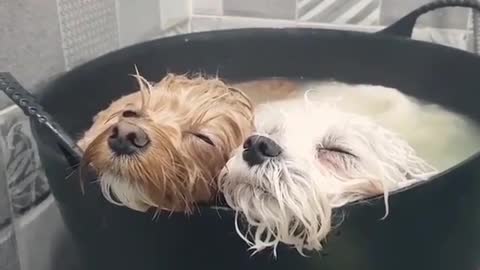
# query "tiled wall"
(446, 26)
(41, 39)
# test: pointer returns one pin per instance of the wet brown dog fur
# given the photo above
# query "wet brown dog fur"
(177, 169)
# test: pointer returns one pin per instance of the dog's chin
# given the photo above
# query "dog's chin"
(279, 203)
(128, 181)
(133, 194)
(123, 192)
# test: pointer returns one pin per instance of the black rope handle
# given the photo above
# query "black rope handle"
(30, 107)
(404, 26)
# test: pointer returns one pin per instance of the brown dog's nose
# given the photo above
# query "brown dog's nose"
(127, 139)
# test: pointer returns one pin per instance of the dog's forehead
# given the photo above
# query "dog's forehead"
(290, 126)
(302, 127)
(193, 102)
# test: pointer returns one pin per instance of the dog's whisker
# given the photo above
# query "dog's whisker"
(94, 181)
(72, 169)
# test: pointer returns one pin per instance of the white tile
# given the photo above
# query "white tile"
(236, 22)
(8, 250)
(239, 22)
(5, 208)
(30, 40)
(27, 184)
(471, 43)
(451, 37)
(204, 23)
(207, 7)
(207, 23)
(392, 10)
(43, 241)
(181, 28)
(345, 27)
(473, 19)
(173, 12)
(272, 9)
(137, 20)
(89, 29)
(358, 12)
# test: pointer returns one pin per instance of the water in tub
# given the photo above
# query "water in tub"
(440, 136)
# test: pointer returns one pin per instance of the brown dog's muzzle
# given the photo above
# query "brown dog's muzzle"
(127, 139)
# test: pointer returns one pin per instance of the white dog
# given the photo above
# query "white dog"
(308, 157)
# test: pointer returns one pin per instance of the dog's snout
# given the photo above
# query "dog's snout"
(257, 149)
(127, 138)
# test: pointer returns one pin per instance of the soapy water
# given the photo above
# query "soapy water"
(440, 136)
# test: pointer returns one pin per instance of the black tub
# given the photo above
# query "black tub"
(435, 225)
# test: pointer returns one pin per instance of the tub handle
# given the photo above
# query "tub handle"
(404, 26)
(31, 108)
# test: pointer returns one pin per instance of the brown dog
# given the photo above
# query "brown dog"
(164, 145)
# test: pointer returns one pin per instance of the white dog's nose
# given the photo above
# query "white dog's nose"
(257, 149)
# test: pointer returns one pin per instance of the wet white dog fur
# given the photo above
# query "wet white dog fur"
(332, 154)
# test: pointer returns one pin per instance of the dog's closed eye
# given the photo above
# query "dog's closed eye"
(333, 144)
(202, 137)
(335, 149)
